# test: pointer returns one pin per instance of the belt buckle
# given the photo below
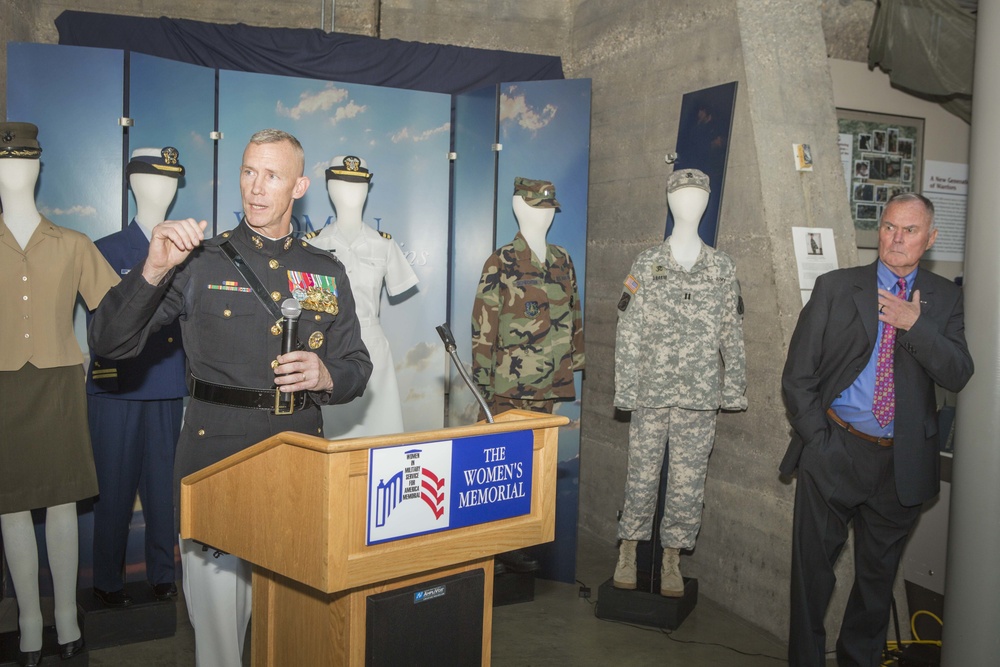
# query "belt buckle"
(278, 408)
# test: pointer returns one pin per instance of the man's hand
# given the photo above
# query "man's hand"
(169, 245)
(302, 371)
(897, 312)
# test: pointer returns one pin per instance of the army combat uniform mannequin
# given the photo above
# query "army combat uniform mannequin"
(45, 455)
(680, 309)
(527, 327)
(135, 407)
(372, 259)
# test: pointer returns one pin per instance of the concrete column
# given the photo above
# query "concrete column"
(972, 583)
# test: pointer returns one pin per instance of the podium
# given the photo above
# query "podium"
(313, 521)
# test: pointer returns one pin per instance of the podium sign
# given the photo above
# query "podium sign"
(429, 487)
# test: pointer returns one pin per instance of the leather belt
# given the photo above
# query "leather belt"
(243, 397)
(883, 442)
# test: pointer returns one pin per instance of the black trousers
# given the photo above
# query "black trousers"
(844, 480)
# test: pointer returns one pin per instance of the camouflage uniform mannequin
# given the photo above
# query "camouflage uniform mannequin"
(527, 327)
(680, 308)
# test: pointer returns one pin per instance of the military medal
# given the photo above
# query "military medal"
(314, 292)
(315, 340)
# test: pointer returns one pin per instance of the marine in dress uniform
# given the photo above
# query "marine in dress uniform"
(135, 408)
(232, 343)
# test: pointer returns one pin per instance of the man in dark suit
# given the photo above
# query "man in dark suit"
(859, 387)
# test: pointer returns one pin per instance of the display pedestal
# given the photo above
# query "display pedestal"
(50, 649)
(644, 608)
(145, 619)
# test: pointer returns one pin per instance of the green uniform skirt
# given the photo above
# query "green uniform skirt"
(45, 454)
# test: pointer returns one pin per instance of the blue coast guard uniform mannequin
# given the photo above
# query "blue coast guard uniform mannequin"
(45, 456)
(135, 407)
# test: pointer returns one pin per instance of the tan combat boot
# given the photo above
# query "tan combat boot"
(625, 570)
(671, 582)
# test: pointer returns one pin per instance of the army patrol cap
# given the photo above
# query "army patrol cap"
(540, 194)
(349, 168)
(688, 178)
(159, 161)
(19, 140)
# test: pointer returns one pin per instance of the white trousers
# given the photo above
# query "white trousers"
(218, 596)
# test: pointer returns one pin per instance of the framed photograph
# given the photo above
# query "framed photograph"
(887, 153)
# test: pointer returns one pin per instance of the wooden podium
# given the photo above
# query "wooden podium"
(296, 507)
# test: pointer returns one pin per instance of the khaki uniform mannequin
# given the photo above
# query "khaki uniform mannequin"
(17, 187)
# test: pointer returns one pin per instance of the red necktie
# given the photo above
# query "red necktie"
(884, 400)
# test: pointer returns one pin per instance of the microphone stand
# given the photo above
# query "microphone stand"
(451, 347)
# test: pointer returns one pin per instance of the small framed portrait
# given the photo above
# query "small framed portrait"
(876, 166)
(892, 137)
(865, 141)
(864, 192)
(878, 141)
(881, 193)
(905, 148)
(866, 212)
(861, 169)
(907, 172)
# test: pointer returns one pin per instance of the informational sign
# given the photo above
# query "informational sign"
(429, 487)
(815, 254)
(947, 185)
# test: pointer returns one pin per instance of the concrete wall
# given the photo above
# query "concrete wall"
(642, 62)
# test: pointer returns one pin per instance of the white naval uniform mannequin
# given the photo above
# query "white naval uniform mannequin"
(17, 187)
(371, 260)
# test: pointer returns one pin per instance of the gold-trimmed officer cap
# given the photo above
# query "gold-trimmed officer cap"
(19, 140)
(688, 178)
(160, 161)
(350, 168)
(540, 194)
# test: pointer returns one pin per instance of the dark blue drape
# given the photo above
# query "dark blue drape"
(308, 53)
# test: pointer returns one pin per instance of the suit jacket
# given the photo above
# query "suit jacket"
(831, 345)
(158, 372)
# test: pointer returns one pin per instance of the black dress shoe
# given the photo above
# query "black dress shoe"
(113, 598)
(164, 592)
(518, 561)
(67, 651)
(29, 659)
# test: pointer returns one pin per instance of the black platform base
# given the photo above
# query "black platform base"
(50, 649)
(644, 608)
(513, 587)
(145, 619)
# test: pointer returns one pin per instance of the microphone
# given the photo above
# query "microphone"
(284, 402)
(444, 331)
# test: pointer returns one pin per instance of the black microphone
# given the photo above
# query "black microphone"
(290, 311)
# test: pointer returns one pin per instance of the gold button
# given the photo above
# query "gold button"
(275, 296)
(225, 235)
(201, 431)
(274, 364)
(275, 329)
(273, 263)
(170, 339)
(318, 317)
(227, 313)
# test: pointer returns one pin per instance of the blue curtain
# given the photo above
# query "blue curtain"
(308, 53)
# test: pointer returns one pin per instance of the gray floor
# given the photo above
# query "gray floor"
(557, 628)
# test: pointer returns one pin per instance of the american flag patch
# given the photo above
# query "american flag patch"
(631, 284)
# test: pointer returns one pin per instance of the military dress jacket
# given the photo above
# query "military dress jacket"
(678, 331)
(158, 373)
(39, 286)
(231, 339)
(527, 325)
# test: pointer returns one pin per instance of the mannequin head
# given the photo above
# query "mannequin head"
(534, 204)
(688, 191)
(153, 174)
(531, 219)
(347, 182)
(19, 158)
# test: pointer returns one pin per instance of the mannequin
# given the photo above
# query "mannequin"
(135, 407)
(680, 311)
(43, 442)
(372, 259)
(519, 359)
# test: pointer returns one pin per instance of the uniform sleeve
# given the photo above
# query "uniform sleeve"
(346, 356)
(628, 342)
(485, 321)
(399, 275)
(579, 358)
(130, 312)
(734, 384)
(96, 275)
